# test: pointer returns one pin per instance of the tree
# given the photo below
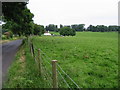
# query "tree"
(78, 27)
(38, 29)
(67, 31)
(61, 26)
(19, 15)
(67, 26)
(101, 28)
(11, 26)
(52, 27)
(13, 10)
(113, 28)
(90, 28)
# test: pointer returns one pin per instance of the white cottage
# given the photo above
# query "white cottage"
(47, 33)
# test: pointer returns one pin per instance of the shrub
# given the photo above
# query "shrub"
(67, 31)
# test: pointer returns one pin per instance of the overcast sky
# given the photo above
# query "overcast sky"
(67, 12)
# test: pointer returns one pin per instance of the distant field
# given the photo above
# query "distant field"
(89, 58)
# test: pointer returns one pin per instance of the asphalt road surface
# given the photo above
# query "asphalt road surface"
(8, 53)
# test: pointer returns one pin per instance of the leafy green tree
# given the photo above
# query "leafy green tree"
(113, 28)
(11, 26)
(67, 26)
(38, 29)
(78, 27)
(101, 28)
(12, 11)
(52, 27)
(61, 26)
(90, 28)
(20, 15)
(67, 31)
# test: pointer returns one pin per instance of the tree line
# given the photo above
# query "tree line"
(70, 30)
(81, 27)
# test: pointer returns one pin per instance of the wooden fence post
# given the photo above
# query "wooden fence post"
(29, 43)
(33, 53)
(54, 74)
(39, 62)
(31, 48)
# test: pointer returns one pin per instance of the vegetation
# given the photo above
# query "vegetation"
(102, 28)
(90, 59)
(38, 29)
(18, 18)
(52, 27)
(23, 73)
(79, 27)
(18, 21)
(67, 31)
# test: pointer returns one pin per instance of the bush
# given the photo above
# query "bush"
(3, 37)
(67, 31)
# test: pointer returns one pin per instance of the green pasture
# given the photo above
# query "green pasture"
(89, 58)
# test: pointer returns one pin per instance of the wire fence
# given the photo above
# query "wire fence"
(63, 79)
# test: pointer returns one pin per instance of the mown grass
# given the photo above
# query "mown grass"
(89, 58)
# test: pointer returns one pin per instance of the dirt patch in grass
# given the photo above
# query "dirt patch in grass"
(22, 61)
(4, 41)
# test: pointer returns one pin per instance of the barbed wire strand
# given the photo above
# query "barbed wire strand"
(60, 68)
(48, 70)
(67, 75)
(35, 59)
(46, 75)
(63, 79)
(47, 61)
(46, 55)
(63, 71)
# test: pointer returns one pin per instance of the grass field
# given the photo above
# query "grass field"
(89, 58)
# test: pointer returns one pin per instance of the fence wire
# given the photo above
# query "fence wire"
(63, 78)
(68, 75)
(47, 72)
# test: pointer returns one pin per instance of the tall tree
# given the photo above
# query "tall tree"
(52, 27)
(67, 31)
(38, 29)
(78, 27)
(61, 26)
(20, 15)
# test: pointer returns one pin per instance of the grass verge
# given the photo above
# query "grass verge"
(8, 40)
(23, 73)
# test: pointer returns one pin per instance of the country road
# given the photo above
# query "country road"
(8, 53)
